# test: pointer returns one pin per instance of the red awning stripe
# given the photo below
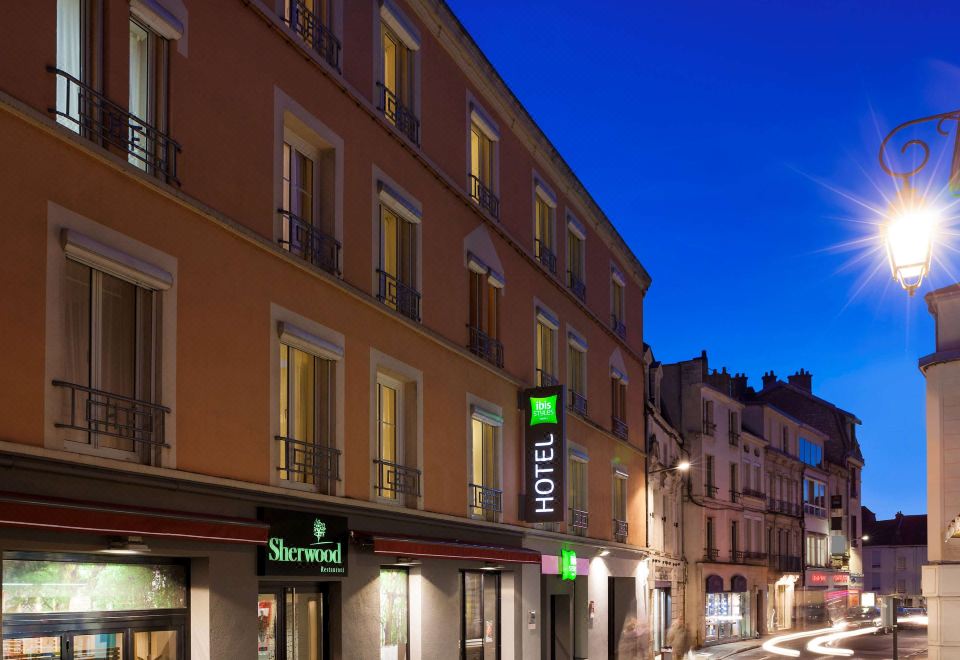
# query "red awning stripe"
(443, 550)
(98, 518)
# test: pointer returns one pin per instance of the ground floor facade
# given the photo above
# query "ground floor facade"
(725, 602)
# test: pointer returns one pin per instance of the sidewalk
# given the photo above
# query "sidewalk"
(720, 651)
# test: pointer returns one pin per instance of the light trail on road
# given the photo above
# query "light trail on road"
(818, 644)
(772, 645)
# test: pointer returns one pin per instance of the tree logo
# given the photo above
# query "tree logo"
(319, 529)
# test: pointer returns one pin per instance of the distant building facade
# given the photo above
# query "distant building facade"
(893, 552)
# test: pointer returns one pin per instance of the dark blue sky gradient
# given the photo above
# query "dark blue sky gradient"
(709, 132)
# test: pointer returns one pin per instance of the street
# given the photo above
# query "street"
(911, 643)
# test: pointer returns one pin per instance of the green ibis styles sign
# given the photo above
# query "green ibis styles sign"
(545, 451)
(568, 564)
(303, 544)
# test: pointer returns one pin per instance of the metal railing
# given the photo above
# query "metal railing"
(619, 427)
(545, 255)
(814, 510)
(711, 554)
(752, 492)
(618, 326)
(755, 557)
(101, 413)
(710, 491)
(734, 438)
(393, 478)
(709, 428)
(312, 30)
(620, 530)
(784, 563)
(578, 403)
(485, 498)
(401, 297)
(735, 496)
(305, 240)
(104, 122)
(577, 286)
(546, 379)
(737, 556)
(484, 197)
(579, 521)
(398, 114)
(308, 462)
(789, 508)
(485, 346)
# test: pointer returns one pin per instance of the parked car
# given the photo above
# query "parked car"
(813, 613)
(861, 616)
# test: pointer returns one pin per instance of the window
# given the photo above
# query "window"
(73, 58)
(398, 262)
(579, 518)
(482, 165)
(816, 550)
(734, 483)
(480, 615)
(711, 544)
(811, 453)
(576, 258)
(734, 539)
(545, 349)
(397, 88)
(484, 321)
(620, 507)
(543, 228)
(485, 494)
(148, 95)
(853, 528)
(901, 586)
(733, 430)
(394, 614)
(112, 372)
(293, 624)
(312, 20)
(708, 477)
(618, 397)
(901, 563)
(395, 479)
(853, 482)
(815, 497)
(577, 373)
(708, 424)
(617, 303)
(785, 439)
(308, 453)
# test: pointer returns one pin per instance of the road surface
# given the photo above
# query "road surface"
(912, 643)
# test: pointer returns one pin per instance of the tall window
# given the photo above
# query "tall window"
(708, 477)
(708, 424)
(734, 483)
(293, 622)
(618, 396)
(816, 550)
(578, 494)
(785, 438)
(482, 163)
(112, 371)
(484, 321)
(734, 536)
(811, 453)
(307, 447)
(398, 263)
(73, 45)
(390, 440)
(148, 92)
(544, 233)
(545, 352)
(711, 541)
(485, 470)
(617, 303)
(394, 614)
(577, 375)
(576, 257)
(733, 421)
(397, 87)
(620, 507)
(480, 615)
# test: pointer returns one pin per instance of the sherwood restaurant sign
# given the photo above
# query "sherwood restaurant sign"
(303, 544)
(545, 453)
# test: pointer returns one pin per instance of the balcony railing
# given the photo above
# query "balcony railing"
(711, 554)
(579, 521)
(394, 479)
(545, 255)
(618, 326)
(546, 379)
(619, 427)
(309, 463)
(485, 346)
(737, 556)
(814, 510)
(734, 438)
(101, 413)
(789, 508)
(735, 496)
(484, 197)
(620, 530)
(401, 297)
(578, 403)
(710, 491)
(784, 563)
(751, 492)
(485, 498)
(306, 241)
(99, 119)
(577, 286)
(398, 114)
(755, 557)
(312, 30)
(709, 428)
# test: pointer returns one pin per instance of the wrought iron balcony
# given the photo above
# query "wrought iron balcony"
(578, 403)
(709, 428)
(546, 379)
(395, 479)
(309, 463)
(618, 326)
(398, 114)
(773, 505)
(545, 255)
(579, 521)
(312, 30)
(711, 554)
(737, 556)
(103, 122)
(734, 438)
(755, 557)
(485, 346)
(784, 563)
(484, 197)
(308, 242)
(813, 510)
(399, 296)
(484, 498)
(789, 508)
(710, 491)
(577, 286)
(620, 530)
(619, 427)
(101, 413)
(735, 496)
(752, 492)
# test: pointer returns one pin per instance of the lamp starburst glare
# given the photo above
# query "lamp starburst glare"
(908, 235)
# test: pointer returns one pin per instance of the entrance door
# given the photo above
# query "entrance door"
(293, 623)
(561, 627)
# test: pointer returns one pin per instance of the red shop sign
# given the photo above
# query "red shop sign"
(818, 578)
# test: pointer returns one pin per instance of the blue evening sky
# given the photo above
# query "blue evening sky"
(711, 132)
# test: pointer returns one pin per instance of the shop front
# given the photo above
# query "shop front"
(780, 602)
(727, 612)
(664, 585)
(830, 592)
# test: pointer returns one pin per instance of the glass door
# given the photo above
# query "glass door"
(293, 624)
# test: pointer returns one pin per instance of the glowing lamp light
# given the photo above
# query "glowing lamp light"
(909, 240)
(683, 466)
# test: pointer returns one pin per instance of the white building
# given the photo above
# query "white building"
(893, 552)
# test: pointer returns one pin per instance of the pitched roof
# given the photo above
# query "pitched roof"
(900, 530)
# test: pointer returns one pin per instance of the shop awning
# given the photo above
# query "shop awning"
(439, 549)
(18, 510)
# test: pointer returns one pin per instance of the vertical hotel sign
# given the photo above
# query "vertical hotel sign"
(545, 453)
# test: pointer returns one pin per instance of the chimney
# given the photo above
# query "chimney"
(738, 386)
(720, 380)
(802, 379)
(769, 378)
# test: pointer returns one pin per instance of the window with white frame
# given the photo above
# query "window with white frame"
(577, 492)
(399, 48)
(577, 373)
(482, 174)
(618, 303)
(396, 479)
(545, 349)
(544, 221)
(618, 399)
(75, 43)
(486, 287)
(620, 528)
(148, 83)
(399, 253)
(576, 258)
(486, 496)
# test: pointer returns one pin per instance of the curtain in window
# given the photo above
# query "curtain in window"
(69, 59)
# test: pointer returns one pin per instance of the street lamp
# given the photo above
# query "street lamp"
(908, 236)
(682, 466)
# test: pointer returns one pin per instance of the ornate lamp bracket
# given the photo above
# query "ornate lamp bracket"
(940, 120)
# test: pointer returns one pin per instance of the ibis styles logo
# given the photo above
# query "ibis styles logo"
(543, 410)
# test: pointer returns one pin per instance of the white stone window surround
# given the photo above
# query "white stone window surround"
(386, 191)
(300, 332)
(475, 264)
(82, 239)
(168, 18)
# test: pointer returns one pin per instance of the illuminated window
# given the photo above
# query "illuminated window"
(480, 615)
(148, 63)
(397, 70)
(545, 349)
(543, 222)
(390, 438)
(481, 156)
(398, 263)
(394, 614)
(484, 315)
(486, 496)
(577, 493)
(576, 258)
(577, 373)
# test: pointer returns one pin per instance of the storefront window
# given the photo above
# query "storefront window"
(394, 614)
(291, 624)
(481, 615)
(725, 616)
